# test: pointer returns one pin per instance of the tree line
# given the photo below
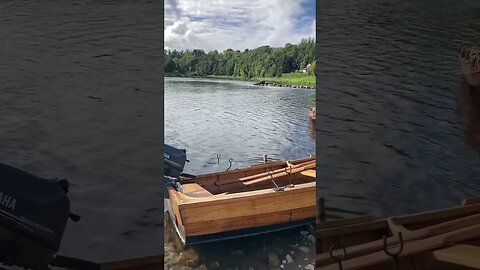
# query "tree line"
(263, 61)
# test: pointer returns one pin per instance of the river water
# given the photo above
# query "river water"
(80, 96)
(398, 129)
(238, 120)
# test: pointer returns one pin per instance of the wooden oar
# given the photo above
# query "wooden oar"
(409, 248)
(407, 235)
(396, 228)
(265, 174)
(301, 164)
(247, 178)
(279, 163)
(274, 175)
(278, 175)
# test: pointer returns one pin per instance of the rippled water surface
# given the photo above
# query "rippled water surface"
(237, 120)
(398, 130)
(80, 88)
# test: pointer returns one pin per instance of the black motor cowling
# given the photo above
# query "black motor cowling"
(33, 215)
(174, 160)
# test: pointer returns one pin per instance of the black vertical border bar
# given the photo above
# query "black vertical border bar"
(317, 107)
(317, 92)
(161, 130)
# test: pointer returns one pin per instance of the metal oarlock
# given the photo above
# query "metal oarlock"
(276, 188)
(338, 259)
(395, 255)
(218, 159)
(230, 160)
(288, 170)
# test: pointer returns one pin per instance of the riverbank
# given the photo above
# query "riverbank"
(293, 80)
(288, 249)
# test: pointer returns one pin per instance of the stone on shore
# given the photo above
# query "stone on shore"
(273, 261)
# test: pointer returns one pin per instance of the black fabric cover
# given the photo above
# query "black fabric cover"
(33, 211)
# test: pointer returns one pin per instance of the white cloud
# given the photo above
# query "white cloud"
(236, 24)
(179, 28)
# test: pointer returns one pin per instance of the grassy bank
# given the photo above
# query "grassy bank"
(300, 79)
(222, 77)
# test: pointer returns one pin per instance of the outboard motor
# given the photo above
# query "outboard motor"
(174, 160)
(33, 216)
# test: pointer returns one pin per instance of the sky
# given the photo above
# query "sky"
(237, 24)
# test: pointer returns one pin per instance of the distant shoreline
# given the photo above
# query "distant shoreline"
(274, 81)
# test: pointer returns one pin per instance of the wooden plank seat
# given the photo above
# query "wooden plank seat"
(310, 173)
(464, 255)
(195, 190)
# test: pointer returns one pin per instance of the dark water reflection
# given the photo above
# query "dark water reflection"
(469, 113)
(392, 137)
(313, 129)
(80, 90)
(238, 120)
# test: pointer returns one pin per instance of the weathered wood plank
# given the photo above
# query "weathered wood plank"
(410, 248)
(310, 173)
(236, 223)
(465, 255)
(246, 206)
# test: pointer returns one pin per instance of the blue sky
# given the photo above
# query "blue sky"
(237, 24)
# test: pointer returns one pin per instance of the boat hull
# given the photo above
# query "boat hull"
(200, 239)
(243, 202)
(241, 215)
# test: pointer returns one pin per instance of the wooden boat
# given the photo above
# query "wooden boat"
(470, 63)
(261, 198)
(313, 113)
(442, 239)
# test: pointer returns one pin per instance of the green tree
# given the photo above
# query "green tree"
(259, 62)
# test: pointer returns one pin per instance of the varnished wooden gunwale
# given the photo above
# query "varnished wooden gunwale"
(209, 213)
(423, 233)
(199, 216)
(278, 163)
(210, 180)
